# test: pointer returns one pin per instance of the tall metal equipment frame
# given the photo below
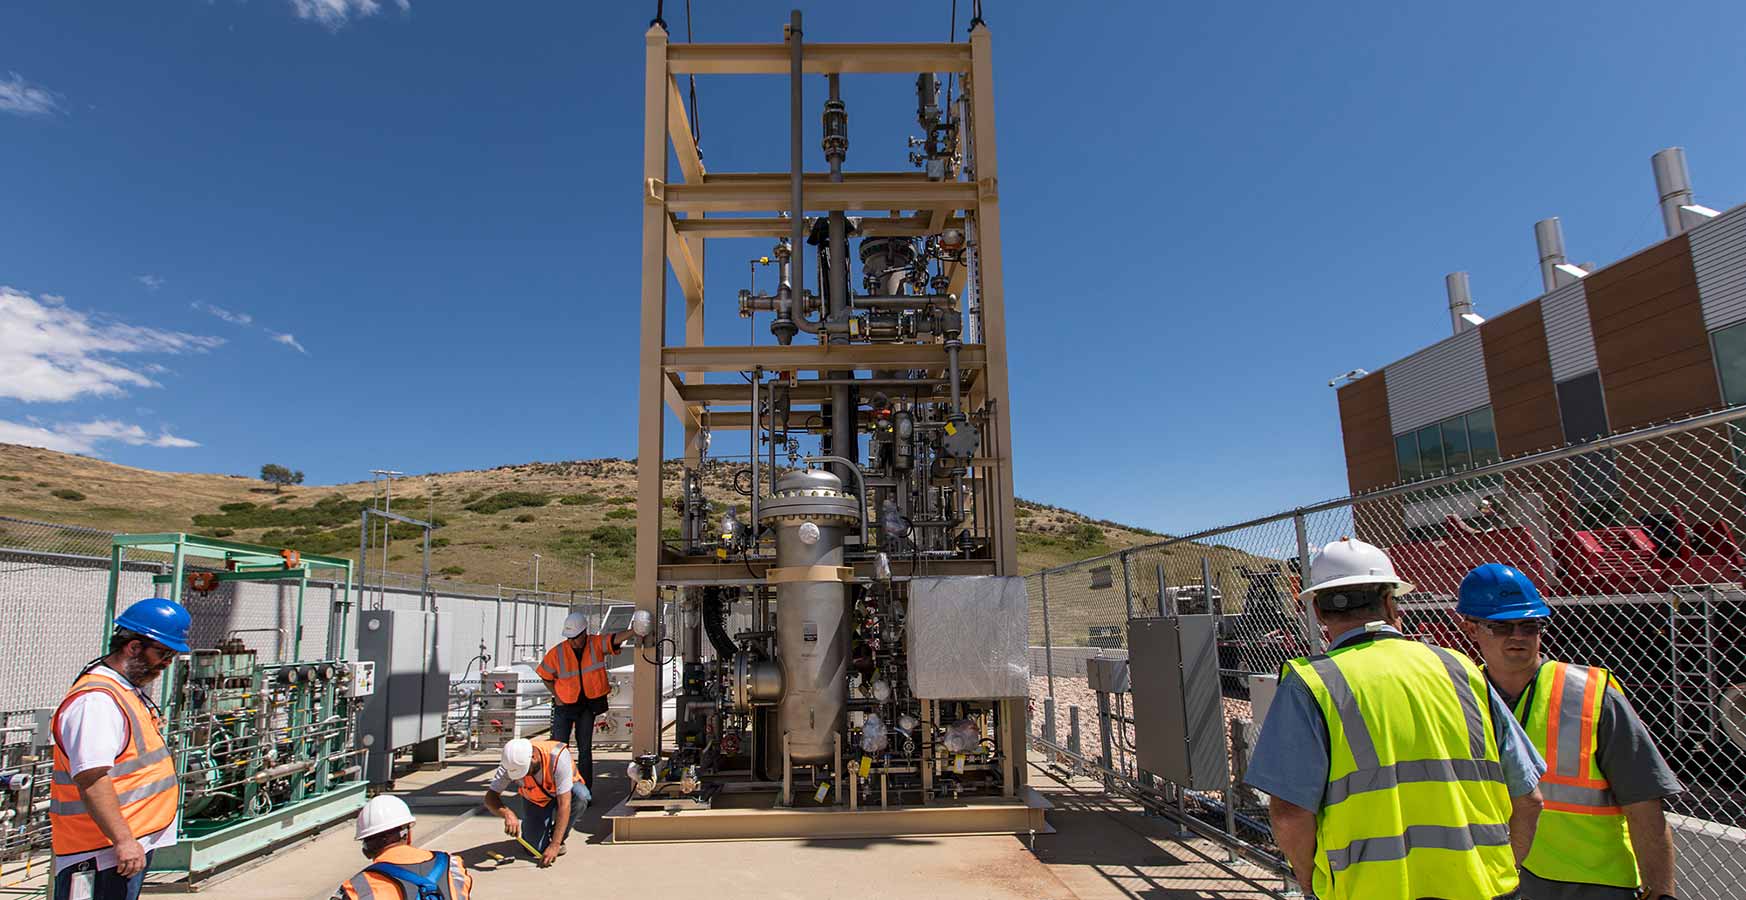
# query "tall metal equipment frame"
(913, 205)
(219, 728)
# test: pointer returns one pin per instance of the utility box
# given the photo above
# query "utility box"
(1179, 725)
(409, 650)
(1107, 674)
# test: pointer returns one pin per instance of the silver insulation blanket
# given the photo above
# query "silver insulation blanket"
(968, 637)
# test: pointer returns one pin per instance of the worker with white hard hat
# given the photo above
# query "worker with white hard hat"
(398, 870)
(1393, 768)
(575, 672)
(115, 798)
(552, 794)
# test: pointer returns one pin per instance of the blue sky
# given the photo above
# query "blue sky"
(344, 235)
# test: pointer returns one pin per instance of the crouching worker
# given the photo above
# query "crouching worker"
(552, 796)
(398, 870)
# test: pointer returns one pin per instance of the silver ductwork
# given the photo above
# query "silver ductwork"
(1555, 270)
(810, 516)
(1673, 186)
(1461, 316)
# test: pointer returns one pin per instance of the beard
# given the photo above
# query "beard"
(142, 671)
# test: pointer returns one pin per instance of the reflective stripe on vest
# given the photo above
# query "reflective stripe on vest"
(1582, 835)
(144, 776)
(574, 678)
(1413, 766)
(368, 885)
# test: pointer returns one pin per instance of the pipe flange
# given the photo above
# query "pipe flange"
(825, 508)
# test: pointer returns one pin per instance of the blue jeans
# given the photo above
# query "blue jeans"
(575, 717)
(536, 823)
(106, 886)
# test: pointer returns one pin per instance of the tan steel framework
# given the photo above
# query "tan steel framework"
(675, 232)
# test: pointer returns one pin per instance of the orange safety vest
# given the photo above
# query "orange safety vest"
(573, 678)
(369, 885)
(144, 775)
(541, 783)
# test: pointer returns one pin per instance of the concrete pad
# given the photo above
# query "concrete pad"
(1101, 850)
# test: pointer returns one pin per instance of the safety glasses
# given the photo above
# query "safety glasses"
(1524, 627)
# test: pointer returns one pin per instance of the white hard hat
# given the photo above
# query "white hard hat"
(1347, 562)
(517, 757)
(384, 812)
(574, 624)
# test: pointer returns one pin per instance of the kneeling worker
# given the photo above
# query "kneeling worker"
(398, 870)
(1603, 834)
(552, 794)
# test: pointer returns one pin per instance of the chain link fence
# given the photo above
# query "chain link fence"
(1636, 540)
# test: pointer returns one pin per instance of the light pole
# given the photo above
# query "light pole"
(591, 573)
(387, 476)
(536, 586)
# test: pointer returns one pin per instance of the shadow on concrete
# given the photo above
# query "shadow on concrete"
(864, 843)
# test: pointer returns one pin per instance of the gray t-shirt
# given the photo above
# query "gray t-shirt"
(1291, 755)
(1635, 770)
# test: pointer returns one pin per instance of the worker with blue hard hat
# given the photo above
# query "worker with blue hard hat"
(115, 798)
(1603, 833)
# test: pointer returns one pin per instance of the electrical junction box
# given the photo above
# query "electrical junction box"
(1107, 674)
(1179, 724)
(409, 650)
(363, 679)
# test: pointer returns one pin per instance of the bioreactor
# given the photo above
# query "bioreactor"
(837, 546)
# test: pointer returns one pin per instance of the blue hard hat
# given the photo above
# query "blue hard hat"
(164, 621)
(1499, 592)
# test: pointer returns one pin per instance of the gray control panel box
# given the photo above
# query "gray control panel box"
(410, 652)
(1107, 673)
(1179, 724)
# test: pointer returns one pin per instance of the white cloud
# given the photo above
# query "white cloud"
(289, 340)
(22, 98)
(50, 352)
(234, 318)
(151, 282)
(84, 437)
(32, 436)
(336, 13)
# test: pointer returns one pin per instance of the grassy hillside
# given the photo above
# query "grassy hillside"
(493, 520)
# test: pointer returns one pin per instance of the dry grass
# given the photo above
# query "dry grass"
(487, 548)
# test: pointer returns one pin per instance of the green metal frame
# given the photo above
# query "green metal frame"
(197, 853)
(247, 562)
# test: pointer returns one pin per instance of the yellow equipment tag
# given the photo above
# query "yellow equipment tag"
(824, 790)
(866, 765)
(958, 764)
(721, 553)
(951, 429)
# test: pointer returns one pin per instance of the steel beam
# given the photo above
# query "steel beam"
(679, 131)
(815, 357)
(817, 59)
(646, 693)
(869, 196)
(1024, 814)
(704, 571)
(777, 227)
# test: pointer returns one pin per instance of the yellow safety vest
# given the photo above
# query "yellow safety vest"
(1582, 836)
(1416, 804)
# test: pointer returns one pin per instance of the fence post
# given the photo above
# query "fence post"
(1048, 637)
(1127, 592)
(1311, 632)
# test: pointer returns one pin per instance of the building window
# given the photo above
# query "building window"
(1730, 350)
(1455, 455)
(1455, 444)
(1482, 437)
(1583, 408)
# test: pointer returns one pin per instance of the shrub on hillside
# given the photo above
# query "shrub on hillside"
(503, 500)
(584, 499)
(621, 513)
(452, 570)
(525, 517)
(67, 494)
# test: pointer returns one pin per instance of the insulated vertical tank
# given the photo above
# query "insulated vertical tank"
(810, 515)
